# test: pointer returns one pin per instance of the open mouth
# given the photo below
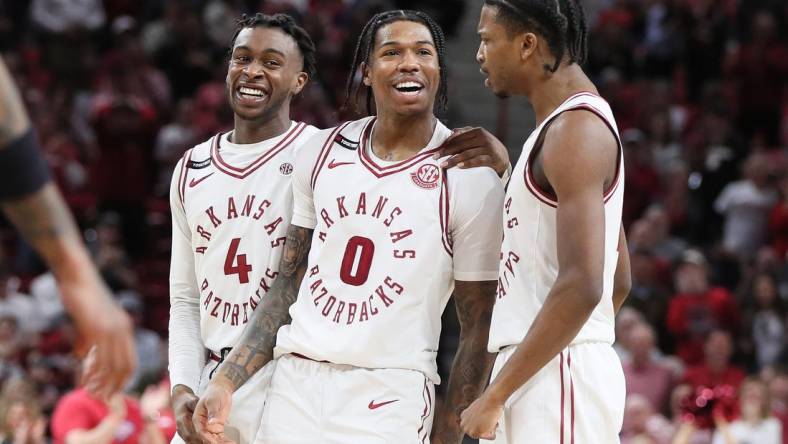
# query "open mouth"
(409, 87)
(250, 93)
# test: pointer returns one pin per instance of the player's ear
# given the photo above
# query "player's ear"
(527, 42)
(365, 74)
(299, 82)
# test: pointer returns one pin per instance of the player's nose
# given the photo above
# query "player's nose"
(253, 69)
(409, 63)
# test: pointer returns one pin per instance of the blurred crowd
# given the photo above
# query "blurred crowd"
(118, 89)
(698, 88)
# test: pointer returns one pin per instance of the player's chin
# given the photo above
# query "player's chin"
(256, 113)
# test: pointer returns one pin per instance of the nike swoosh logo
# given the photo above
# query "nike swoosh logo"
(333, 164)
(194, 182)
(373, 406)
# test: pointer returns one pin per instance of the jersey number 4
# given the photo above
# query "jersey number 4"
(236, 263)
(357, 260)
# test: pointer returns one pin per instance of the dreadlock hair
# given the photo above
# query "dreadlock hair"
(366, 41)
(288, 25)
(560, 22)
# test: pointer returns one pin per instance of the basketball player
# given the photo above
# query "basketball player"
(231, 204)
(381, 236)
(564, 266)
(33, 204)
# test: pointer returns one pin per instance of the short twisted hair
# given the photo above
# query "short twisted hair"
(288, 25)
(561, 22)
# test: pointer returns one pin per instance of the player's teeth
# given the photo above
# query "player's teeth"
(254, 92)
(408, 85)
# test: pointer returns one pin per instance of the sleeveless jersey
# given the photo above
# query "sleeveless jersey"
(390, 238)
(529, 253)
(231, 208)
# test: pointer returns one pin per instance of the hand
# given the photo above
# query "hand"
(184, 401)
(480, 419)
(108, 329)
(37, 432)
(212, 412)
(117, 407)
(22, 433)
(474, 147)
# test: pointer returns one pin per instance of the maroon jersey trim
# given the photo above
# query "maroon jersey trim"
(324, 152)
(242, 173)
(443, 211)
(426, 413)
(548, 197)
(383, 171)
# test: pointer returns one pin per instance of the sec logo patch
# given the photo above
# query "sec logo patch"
(286, 168)
(426, 176)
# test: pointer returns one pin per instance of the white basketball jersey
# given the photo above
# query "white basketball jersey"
(233, 205)
(390, 238)
(529, 253)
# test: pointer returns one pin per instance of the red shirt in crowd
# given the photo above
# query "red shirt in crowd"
(702, 375)
(778, 229)
(692, 316)
(79, 411)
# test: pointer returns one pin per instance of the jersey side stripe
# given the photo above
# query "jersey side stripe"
(443, 212)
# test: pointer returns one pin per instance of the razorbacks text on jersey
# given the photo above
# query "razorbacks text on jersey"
(390, 239)
(231, 207)
(529, 253)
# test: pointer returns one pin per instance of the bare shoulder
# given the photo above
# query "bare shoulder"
(579, 141)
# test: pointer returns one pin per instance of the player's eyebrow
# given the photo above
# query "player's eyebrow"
(273, 50)
(394, 42)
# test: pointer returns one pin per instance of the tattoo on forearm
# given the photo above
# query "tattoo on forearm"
(472, 363)
(257, 343)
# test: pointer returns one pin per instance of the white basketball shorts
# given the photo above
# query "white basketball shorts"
(577, 398)
(312, 402)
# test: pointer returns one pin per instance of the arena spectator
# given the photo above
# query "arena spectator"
(645, 374)
(21, 421)
(79, 417)
(745, 205)
(698, 308)
(642, 425)
(756, 423)
(716, 368)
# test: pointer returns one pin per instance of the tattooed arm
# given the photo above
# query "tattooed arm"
(472, 363)
(256, 347)
(41, 216)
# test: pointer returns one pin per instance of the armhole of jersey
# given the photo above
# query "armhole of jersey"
(443, 211)
(549, 197)
(323, 155)
(184, 173)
